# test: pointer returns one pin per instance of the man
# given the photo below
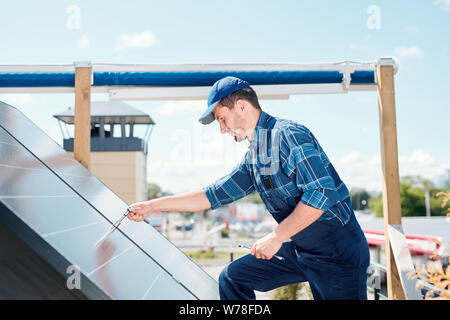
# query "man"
(300, 188)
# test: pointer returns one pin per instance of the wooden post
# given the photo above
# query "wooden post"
(391, 182)
(82, 138)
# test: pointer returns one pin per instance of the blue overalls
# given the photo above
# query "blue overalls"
(331, 256)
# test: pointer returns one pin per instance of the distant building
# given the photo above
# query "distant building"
(118, 159)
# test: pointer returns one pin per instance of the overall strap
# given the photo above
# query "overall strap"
(266, 178)
(270, 125)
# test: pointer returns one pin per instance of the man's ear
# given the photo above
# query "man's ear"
(241, 104)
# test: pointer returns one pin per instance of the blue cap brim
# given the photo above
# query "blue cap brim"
(208, 116)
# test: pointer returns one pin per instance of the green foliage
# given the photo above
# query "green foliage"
(153, 190)
(294, 291)
(436, 203)
(412, 196)
(224, 233)
(188, 215)
(198, 255)
(359, 198)
(412, 201)
(376, 205)
(201, 256)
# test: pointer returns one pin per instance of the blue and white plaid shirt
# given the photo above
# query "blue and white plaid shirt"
(285, 164)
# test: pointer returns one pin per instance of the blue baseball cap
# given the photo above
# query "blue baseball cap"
(219, 90)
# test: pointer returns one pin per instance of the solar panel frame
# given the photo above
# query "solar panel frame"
(24, 204)
(67, 169)
(47, 252)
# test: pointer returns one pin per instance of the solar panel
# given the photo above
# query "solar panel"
(70, 209)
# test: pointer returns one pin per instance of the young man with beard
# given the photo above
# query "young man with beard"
(301, 189)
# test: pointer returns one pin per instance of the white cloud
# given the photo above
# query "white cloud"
(353, 156)
(213, 160)
(172, 108)
(421, 163)
(404, 52)
(135, 40)
(16, 99)
(444, 4)
(358, 170)
(195, 160)
(182, 176)
(84, 41)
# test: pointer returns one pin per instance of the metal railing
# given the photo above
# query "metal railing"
(376, 284)
(376, 288)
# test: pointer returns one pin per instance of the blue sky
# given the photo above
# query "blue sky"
(415, 33)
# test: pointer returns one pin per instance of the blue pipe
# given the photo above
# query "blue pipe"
(182, 79)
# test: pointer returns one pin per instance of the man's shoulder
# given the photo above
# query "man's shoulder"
(289, 129)
(286, 124)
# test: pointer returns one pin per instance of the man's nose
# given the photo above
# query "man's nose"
(223, 129)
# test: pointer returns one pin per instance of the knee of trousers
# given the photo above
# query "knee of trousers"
(224, 278)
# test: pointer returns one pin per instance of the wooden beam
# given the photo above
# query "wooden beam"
(391, 181)
(82, 138)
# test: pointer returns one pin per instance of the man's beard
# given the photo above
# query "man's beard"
(238, 134)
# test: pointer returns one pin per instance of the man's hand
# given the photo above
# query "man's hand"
(266, 247)
(184, 202)
(140, 210)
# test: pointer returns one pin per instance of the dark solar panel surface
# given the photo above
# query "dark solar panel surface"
(70, 209)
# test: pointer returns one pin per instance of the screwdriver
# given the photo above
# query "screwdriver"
(113, 227)
(247, 247)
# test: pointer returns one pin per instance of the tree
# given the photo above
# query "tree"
(423, 188)
(447, 180)
(154, 190)
(376, 205)
(359, 198)
(413, 198)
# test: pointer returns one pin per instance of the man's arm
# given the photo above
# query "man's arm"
(299, 219)
(227, 189)
(302, 162)
(189, 201)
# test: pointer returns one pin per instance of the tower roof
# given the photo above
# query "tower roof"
(112, 111)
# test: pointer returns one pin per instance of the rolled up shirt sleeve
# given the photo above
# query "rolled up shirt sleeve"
(304, 163)
(234, 186)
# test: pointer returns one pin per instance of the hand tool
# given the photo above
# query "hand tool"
(247, 247)
(113, 227)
